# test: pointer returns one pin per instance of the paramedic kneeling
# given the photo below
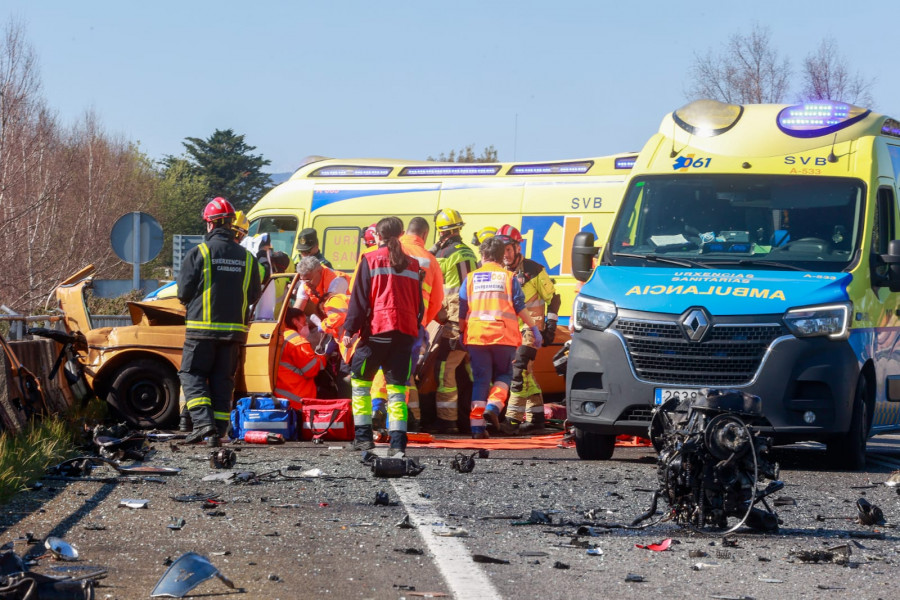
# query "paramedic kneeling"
(488, 305)
(299, 364)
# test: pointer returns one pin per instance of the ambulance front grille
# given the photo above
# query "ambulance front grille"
(728, 355)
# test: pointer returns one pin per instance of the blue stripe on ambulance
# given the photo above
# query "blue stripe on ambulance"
(720, 291)
(328, 195)
(886, 415)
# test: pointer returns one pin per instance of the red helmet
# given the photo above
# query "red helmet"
(508, 231)
(369, 235)
(217, 209)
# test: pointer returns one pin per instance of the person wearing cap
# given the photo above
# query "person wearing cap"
(308, 245)
(218, 282)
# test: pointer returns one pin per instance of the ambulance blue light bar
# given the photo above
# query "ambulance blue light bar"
(569, 168)
(823, 117)
(351, 171)
(449, 171)
(626, 162)
(891, 127)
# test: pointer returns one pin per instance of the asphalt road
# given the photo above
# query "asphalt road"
(324, 536)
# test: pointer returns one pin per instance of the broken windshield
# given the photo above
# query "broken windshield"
(770, 221)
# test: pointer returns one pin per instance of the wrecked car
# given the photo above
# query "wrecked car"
(135, 367)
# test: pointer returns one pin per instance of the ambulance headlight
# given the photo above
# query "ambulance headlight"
(832, 320)
(593, 314)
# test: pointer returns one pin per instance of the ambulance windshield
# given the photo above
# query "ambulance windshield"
(773, 221)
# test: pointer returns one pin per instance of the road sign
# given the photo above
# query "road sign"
(136, 238)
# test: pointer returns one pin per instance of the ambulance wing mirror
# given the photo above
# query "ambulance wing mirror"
(892, 260)
(583, 254)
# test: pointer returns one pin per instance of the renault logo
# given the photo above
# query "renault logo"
(695, 324)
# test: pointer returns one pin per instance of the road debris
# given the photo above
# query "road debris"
(634, 578)
(660, 547)
(176, 524)
(133, 503)
(466, 464)
(382, 499)
(839, 555)
(560, 565)
(405, 523)
(223, 458)
(186, 573)
(869, 514)
(711, 460)
(60, 549)
(490, 560)
(396, 467)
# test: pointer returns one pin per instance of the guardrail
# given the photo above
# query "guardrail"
(18, 324)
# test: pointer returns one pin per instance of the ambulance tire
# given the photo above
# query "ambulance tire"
(849, 450)
(145, 393)
(594, 446)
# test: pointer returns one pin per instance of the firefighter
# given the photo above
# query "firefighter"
(489, 303)
(525, 413)
(218, 282)
(385, 310)
(456, 260)
(308, 245)
(299, 364)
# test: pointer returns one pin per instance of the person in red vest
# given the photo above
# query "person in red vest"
(489, 304)
(299, 364)
(385, 310)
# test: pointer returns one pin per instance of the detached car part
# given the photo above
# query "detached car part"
(186, 573)
(711, 460)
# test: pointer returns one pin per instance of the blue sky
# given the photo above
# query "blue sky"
(538, 80)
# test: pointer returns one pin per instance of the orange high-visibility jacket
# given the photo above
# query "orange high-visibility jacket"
(297, 368)
(491, 318)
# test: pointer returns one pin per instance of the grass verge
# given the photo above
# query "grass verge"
(26, 456)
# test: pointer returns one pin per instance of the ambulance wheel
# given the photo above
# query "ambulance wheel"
(849, 450)
(594, 446)
(145, 393)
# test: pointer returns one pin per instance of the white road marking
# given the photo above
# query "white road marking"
(463, 575)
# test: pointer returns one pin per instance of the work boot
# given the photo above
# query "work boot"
(396, 453)
(360, 445)
(364, 438)
(184, 422)
(201, 433)
(511, 427)
(479, 433)
(398, 443)
(536, 426)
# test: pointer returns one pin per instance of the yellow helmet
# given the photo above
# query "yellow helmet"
(241, 223)
(447, 219)
(483, 234)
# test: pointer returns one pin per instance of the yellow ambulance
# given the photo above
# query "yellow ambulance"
(549, 202)
(755, 249)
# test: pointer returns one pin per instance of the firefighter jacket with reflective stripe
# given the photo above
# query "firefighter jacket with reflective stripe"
(538, 289)
(218, 282)
(456, 261)
(488, 305)
(383, 299)
(433, 282)
(297, 368)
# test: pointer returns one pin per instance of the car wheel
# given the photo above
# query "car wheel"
(594, 446)
(849, 451)
(145, 393)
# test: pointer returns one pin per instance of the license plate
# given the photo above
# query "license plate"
(663, 395)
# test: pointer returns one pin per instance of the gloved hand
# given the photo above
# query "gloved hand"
(549, 333)
(538, 338)
(315, 321)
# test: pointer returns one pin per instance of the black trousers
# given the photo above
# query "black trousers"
(207, 380)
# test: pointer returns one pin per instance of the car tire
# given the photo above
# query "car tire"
(849, 450)
(594, 446)
(145, 393)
